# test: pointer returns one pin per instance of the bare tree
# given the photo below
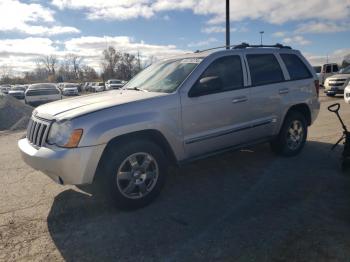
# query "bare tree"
(50, 63)
(75, 63)
(110, 60)
(5, 72)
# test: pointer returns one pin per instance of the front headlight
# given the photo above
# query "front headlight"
(63, 135)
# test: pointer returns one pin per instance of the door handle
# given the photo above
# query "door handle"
(283, 91)
(239, 99)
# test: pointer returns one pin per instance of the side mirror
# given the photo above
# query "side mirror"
(205, 86)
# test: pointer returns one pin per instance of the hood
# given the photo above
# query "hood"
(339, 76)
(73, 107)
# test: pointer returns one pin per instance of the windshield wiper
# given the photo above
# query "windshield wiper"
(136, 88)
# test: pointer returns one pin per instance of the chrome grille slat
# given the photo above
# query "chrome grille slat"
(32, 132)
(37, 131)
(29, 127)
(38, 136)
(45, 134)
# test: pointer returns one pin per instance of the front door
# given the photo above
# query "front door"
(215, 112)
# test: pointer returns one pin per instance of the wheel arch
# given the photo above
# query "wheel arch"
(303, 109)
(150, 134)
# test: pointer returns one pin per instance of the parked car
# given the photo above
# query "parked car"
(5, 89)
(336, 84)
(17, 91)
(42, 93)
(70, 89)
(175, 111)
(347, 93)
(114, 84)
(325, 71)
(98, 87)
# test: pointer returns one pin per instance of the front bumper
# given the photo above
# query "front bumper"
(65, 166)
(347, 95)
(334, 91)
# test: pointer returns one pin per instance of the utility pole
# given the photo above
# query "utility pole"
(261, 37)
(227, 24)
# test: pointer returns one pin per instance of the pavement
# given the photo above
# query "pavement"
(248, 205)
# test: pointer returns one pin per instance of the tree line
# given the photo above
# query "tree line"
(72, 68)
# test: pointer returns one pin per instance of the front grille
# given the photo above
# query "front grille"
(336, 84)
(37, 131)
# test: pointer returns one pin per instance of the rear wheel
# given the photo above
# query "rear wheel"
(134, 173)
(292, 136)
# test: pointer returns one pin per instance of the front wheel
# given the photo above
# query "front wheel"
(291, 139)
(134, 173)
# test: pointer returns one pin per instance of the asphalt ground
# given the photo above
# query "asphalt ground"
(248, 205)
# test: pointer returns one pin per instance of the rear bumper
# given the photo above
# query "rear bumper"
(65, 166)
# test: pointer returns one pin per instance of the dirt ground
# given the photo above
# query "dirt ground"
(241, 206)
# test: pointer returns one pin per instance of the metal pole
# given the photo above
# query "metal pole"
(261, 37)
(227, 24)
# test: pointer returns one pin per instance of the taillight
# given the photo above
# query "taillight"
(317, 87)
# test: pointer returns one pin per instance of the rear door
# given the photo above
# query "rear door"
(268, 86)
(215, 120)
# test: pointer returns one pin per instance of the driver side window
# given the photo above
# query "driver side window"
(227, 73)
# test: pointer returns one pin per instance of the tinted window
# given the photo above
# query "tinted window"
(329, 69)
(264, 69)
(42, 92)
(317, 69)
(296, 68)
(229, 71)
(335, 68)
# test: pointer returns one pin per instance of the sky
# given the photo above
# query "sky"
(162, 28)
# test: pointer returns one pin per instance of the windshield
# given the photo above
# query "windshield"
(43, 86)
(317, 69)
(163, 77)
(345, 70)
(115, 82)
(20, 88)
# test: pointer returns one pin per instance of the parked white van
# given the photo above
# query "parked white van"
(42, 93)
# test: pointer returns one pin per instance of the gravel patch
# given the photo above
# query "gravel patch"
(14, 115)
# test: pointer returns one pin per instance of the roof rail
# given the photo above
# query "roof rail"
(246, 45)
(213, 48)
(242, 46)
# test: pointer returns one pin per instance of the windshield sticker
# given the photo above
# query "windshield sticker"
(191, 61)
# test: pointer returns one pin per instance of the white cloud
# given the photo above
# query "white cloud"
(217, 29)
(279, 34)
(202, 43)
(296, 40)
(21, 54)
(322, 27)
(27, 46)
(272, 11)
(335, 57)
(31, 19)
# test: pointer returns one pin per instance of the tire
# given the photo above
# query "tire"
(331, 95)
(127, 183)
(291, 139)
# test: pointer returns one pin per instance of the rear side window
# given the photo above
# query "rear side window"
(229, 70)
(264, 69)
(296, 68)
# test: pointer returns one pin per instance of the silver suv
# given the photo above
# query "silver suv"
(175, 111)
